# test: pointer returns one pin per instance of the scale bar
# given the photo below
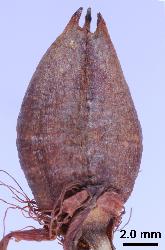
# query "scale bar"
(140, 244)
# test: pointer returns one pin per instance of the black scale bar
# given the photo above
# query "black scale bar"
(140, 244)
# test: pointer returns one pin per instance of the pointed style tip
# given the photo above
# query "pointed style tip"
(99, 19)
(88, 19)
(88, 15)
(74, 19)
(101, 25)
(77, 14)
(79, 11)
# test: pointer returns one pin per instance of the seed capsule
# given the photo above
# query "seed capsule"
(78, 136)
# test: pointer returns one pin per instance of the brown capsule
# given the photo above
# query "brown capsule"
(78, 137)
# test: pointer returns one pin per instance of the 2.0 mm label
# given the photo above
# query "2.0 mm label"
(143, 235)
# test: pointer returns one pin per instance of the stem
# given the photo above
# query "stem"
(101, 243)
(104, 244)
(95, 241)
